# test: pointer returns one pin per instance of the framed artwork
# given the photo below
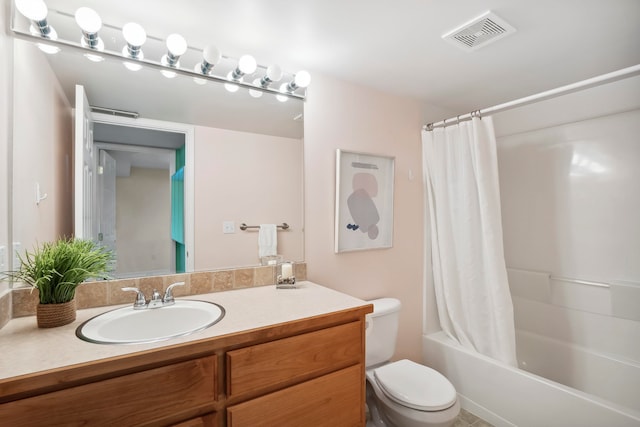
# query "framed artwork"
(364, 201)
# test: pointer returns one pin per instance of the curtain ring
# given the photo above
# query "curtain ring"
(458, 119)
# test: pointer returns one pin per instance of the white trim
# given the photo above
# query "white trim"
(189, 195)
(130, 148)
(189, 176)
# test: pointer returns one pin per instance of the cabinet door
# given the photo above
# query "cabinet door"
(284, 362)
(186, 387)
(336, 399)
(209, 420)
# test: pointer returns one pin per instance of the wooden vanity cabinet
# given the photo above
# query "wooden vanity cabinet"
(308, 372)
(182, 389)
(331, 400)
(313, 379)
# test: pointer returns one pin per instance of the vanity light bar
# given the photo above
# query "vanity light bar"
(201, 72)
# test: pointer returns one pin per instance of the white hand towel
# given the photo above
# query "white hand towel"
(267, 240)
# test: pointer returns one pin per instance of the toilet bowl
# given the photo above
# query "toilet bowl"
(407, 394)
(402, 393)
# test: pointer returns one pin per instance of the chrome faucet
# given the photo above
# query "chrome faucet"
(168, 294)
(140, 302)
(156, 300)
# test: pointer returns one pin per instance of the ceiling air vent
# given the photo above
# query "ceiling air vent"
(479, 32)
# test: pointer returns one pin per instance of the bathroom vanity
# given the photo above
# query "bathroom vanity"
(279, 357)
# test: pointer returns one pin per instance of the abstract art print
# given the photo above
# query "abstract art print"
(364, 201)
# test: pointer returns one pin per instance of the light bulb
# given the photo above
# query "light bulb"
(134, 34)
(35, 10)
(274, 73)
(212, 55)
(88, 19)
(255, 93)
(302, 79)
(176, 44)
(247, 64)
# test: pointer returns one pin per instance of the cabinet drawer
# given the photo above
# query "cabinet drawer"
(291, 360)
(127, 400)
(336, 399)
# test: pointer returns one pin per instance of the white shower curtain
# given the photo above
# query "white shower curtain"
(470, 277)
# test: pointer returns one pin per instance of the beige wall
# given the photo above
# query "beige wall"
(250, 178)
(143, 239)
(5, 138)
(42, 124)
(347, 116)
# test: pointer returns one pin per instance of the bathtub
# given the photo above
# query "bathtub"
(506, 396)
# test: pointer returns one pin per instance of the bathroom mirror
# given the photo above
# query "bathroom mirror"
(247, 164)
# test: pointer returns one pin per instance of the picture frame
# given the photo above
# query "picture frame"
(364, 201)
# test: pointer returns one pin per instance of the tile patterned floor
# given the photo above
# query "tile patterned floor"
(467, 419)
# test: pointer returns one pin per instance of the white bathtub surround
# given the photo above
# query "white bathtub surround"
(470, 277)
(570, 203)
(579, 333)
(508, 397)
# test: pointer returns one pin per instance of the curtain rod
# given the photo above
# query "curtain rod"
(562, 90)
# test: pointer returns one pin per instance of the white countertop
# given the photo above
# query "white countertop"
(27, 348)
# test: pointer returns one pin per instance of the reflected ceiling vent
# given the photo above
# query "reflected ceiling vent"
(479, 32)
(113, 112)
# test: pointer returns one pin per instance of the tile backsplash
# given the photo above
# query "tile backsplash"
(103, 293)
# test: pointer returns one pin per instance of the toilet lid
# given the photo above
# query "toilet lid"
(415, 386)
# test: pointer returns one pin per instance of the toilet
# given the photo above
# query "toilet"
(402, 393)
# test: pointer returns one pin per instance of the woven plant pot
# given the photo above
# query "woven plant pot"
(54, 315)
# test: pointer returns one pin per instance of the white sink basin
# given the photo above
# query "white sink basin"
(128, 326)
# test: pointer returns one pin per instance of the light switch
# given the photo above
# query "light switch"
(228, 227)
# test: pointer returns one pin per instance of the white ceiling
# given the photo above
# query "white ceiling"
(396, 46)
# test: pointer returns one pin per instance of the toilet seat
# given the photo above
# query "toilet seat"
(415, 386)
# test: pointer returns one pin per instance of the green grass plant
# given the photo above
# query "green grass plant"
(57, 268)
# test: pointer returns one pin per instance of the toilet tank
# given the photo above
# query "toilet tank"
(382, 330)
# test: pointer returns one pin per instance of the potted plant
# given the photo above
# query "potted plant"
(56, 269)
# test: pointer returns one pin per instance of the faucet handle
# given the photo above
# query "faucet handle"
(168, 294)
(141, 301)
(156, 300)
